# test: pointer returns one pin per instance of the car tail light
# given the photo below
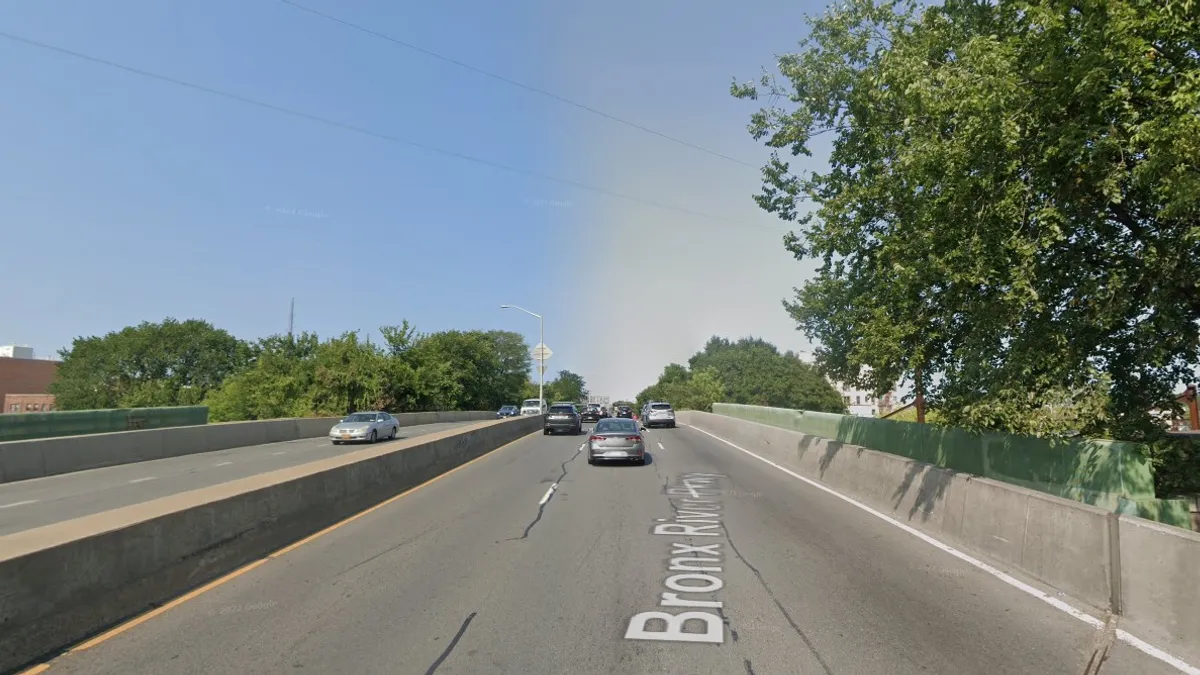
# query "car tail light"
(634, 438)
(596, 438)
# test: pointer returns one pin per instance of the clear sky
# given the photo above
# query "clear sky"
(124, 198)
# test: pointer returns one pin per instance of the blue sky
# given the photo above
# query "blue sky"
(126, 199)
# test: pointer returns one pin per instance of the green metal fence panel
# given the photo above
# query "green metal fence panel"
(20, 427)
(1110, 474)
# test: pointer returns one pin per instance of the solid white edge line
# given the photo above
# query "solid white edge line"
(546, 497)
(27, 501)
(1122, 635)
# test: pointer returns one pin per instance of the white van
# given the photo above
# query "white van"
(533, 406)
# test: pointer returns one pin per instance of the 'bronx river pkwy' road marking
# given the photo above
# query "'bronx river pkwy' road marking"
(697, 514)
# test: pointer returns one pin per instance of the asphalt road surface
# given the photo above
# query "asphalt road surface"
(42, 501)
(530, 561)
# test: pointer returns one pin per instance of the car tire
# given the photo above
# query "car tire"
(337, 442)
(642, 461)
(395, 430)
(545, 432)
(591, 460)
(374, 436)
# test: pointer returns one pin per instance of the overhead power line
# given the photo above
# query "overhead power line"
(367, 132)
(515, 83)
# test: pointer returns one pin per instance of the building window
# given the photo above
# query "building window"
(858, 400)
(16, 407)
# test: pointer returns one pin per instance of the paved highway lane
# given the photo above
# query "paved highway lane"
(43, 501)
(530, 561)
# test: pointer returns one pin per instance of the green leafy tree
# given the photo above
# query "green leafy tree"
(566, 386)
(165, 364)
(490, 367)
(685, 390)
(279, 384)
(1011, 208)
(754, 372)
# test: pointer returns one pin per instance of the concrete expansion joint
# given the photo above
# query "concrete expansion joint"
(1102, 645)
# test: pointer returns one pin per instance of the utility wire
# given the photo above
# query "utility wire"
(515, 83)
(366, 132)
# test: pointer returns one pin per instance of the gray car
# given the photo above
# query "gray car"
(367, 426)
(616, 439)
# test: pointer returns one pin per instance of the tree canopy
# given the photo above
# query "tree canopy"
(152, 364)
(1011, 206)
(750, 371)
(191, 362)
(566, 386)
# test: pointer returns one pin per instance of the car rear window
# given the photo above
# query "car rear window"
(615, 425)
(563, 409)
(661, 406)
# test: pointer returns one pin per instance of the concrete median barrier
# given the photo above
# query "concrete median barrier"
(37, 458)
(1159, 587)
(62, 583)
(1142, 570)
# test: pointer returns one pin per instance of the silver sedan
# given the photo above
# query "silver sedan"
(365, 426)
(616, 439)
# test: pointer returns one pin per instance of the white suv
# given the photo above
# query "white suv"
(660, 414)
(532, 406)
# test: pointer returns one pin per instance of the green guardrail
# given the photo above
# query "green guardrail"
(25, 426)
(1113, 475)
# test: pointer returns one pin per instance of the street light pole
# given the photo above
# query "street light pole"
(541, 362)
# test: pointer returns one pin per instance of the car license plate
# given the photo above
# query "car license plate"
(616, 453)
(345, 435)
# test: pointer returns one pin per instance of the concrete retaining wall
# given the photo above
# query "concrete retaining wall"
(62, 583)
(36, 458)
(1142, 570)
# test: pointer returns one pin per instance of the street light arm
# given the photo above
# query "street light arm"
(521, 309)
(541, 363)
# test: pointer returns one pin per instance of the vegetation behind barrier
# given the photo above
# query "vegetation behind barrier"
(1114, 475)
(24, 426)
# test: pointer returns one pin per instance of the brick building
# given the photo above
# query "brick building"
(25, 383)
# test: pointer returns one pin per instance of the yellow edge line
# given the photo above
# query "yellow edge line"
(143, 618)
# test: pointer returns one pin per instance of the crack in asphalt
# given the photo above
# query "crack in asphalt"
(389, 549)
(807, 642)
(749, 668)
(542, 507)
(453, 643)
(724, 619)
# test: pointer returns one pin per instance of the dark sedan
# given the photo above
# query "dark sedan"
(562, 417)
(508, 411)
(593, 413)
(625, 411)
